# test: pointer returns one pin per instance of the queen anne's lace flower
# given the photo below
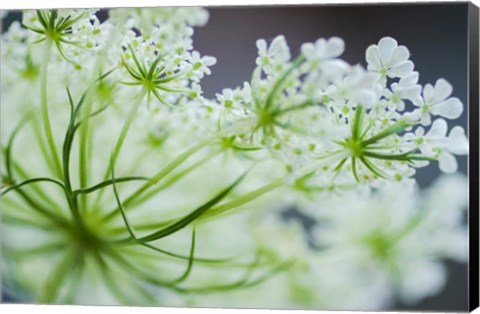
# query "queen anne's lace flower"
(189, 197)
(436, 143)
(68, 30)
(163, 75)
(406, 89)
(272, 60)
(387, 59)
(436, 101)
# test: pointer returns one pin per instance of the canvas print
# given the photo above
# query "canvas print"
(302, 157)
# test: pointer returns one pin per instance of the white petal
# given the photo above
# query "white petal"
(334, 67)
(355, 77)
(427, 150)
(428, 91)
(321, 48)
(400, 55)
(372, 56)
(308, 50)
(451, 108)
(262, 46)
(387, 93)
(424, 278)
(447, 163)
(279, 49)
(402, 69)
(386, 46)
(412, 93)
(420, 131)
(412, 116)
(409, 80)
(439, 129)
(420, 163)
(365, 97)
(408, 136)
(426, 119)
(443, 89)
(208, 61)
(458, 141)
(335, 47)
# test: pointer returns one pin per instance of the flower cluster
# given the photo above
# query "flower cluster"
(361, 121)
(281, 192)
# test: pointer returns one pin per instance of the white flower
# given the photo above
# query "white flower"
(406, 89)
(354, 88)
(324, 49)
(199, 66)
(387, 59)
(272, 59)
(436, 143)
(323, 54)
(436, 101)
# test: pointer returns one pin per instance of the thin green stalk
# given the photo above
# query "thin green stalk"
(30, 181)
(83, 156)
(157, 177)
(107, 183)
(86, 135)
(59, 220)
(35, 188)
(75, 280)
(126, 127)
(280, 83)
(57, 277)
(121, 138)
(189, 218)
(44, 105)
(155, 249)
(220, 209)
(173, 179)
(37, 131)
(13, 219)
(67, 149)
(45, 210)
(34, 251)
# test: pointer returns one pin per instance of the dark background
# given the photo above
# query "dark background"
(436, 35)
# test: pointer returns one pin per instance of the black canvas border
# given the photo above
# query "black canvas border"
(473, 95)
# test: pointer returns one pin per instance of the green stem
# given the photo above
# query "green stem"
(121, 138)
(158, 176)
(30, 181)
(280, 83)
(36, 188)
(107, 183)
(37, 130)
(56, 277)
(220, 209)
(86, 134)
(126, 127)
(44, 105)
(83, 153)
(171, 180)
